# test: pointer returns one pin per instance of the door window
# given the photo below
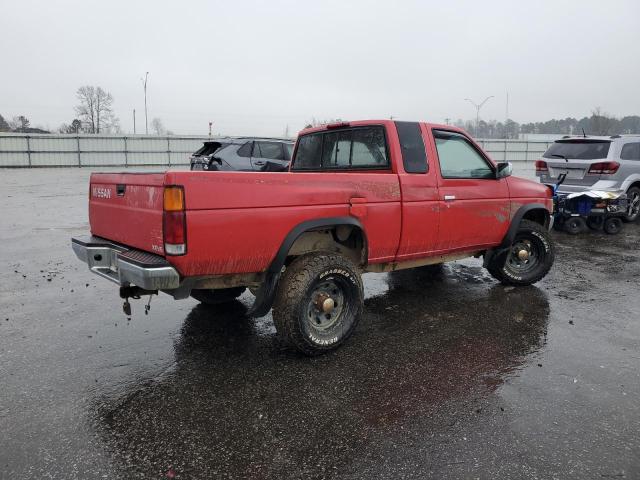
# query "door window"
(269, 150)
(459, 159)
(245, 150)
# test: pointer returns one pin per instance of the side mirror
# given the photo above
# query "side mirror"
(505, 169)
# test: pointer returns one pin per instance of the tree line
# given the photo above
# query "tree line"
(598, 123)
(94, 114)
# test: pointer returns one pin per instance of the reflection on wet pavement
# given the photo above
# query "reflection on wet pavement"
(247, 408)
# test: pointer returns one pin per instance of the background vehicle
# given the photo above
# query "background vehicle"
(595, 163)
(368, 196)
(244, 154)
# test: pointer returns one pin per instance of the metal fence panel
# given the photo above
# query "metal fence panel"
(13, 143)
(102, 159)
(24, 150)
(54, 159)
(101, 144)
(14, 159)
(146, 144)
(53, 144)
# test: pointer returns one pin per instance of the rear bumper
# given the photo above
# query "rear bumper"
(124, 266)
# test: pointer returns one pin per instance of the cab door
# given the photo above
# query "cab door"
(474, 204)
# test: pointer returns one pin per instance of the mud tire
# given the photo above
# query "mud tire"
(294, 314)
(502, 268)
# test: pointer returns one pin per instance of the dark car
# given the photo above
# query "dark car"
(244, 154)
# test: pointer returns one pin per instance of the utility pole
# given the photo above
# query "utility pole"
(447, 120)
(144, 84)
(506, 118)
(134, 121)
(210, 124)
(478, 107)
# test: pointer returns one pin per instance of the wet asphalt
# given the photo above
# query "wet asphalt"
(449, 374)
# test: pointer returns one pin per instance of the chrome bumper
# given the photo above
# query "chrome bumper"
(124, 266)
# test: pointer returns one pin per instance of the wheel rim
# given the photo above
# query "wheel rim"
(326, 304)
(525, 255)
(634, 205)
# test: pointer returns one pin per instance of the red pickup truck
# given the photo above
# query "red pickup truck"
(365, 196)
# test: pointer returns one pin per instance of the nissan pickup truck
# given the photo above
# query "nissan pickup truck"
(363, 196)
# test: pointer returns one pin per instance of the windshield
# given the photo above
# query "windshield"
(580, 150)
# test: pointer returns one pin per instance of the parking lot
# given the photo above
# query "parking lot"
(448, 374)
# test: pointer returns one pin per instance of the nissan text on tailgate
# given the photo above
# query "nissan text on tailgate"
(365, 196)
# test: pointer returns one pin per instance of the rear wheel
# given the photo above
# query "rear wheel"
(613, 225)
(216, 297)
(574, 225)
(528, 259)
(633, 196)
(318, 302)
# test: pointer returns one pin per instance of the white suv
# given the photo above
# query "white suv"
(595, 163)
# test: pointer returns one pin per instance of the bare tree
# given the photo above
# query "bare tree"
(317, 123)
(158, 127)
(74, 127)
(600, 122)
(20, 124)
(95, 109)
(4, 126)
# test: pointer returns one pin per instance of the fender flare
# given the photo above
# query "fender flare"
(513, 229)
(267, 291)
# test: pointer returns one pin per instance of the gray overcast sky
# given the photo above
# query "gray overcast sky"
(254, 67)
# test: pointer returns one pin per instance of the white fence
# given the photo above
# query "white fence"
(36, 150)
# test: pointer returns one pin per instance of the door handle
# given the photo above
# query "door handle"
(358, 207)
(259, 163)
(449, 198)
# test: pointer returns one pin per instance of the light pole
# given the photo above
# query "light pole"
(478, 107)
(144, 84)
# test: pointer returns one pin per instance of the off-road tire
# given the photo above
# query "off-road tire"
(575, 225)
(631, 194)
(217, 297)
(294, 315)
(501, 268)
(613, 225)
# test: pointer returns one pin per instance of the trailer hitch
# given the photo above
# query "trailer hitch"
(136, 293)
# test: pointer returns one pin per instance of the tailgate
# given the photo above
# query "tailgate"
(127, 208)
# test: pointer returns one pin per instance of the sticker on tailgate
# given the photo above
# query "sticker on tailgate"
(101, 192)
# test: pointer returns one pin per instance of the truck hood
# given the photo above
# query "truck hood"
(523, 188)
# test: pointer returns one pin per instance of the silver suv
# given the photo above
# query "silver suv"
(595, 163)
(244, 154)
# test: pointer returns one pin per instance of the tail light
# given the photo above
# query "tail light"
(541, 166)
(174, 221)
(604, 168)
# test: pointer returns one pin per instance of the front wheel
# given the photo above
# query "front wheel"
(318, 302)
(633, 196)
(528, 259)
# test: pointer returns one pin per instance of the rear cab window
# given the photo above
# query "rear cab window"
(354, 148)
(578, 149)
